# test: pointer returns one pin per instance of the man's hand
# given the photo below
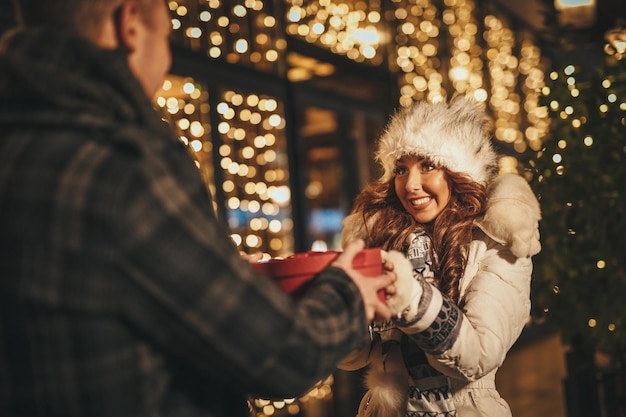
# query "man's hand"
(253, 257)
(368, 286)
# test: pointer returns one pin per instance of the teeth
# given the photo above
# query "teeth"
(420, 201)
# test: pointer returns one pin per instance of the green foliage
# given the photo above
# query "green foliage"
(579, 283)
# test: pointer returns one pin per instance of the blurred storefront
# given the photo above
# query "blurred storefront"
(281, 102)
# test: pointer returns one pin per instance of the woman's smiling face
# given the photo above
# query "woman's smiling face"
(421, 187)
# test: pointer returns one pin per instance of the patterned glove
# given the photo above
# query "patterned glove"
(408, 289)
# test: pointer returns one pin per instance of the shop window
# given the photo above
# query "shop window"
(251, 150)
(253, 157)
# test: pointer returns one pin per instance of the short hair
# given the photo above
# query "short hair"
(82, 17)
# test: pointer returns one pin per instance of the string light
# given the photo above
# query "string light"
(417, 50)
(616, 41)
(255, 177)
(244, 34)
(248, 34)
(582, 127)
(252, 128)
(530, 67)
(184, 104)
(503, 71)
(350, 28)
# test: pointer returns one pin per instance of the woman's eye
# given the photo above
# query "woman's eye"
(427, 166)
(399, 170)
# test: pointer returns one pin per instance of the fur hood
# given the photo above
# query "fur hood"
(512, 217)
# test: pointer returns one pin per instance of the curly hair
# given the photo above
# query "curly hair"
(389, 224)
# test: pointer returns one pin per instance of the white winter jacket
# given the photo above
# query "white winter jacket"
(466, 345)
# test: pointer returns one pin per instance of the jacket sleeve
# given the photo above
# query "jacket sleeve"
(184, 286)
(470, 341)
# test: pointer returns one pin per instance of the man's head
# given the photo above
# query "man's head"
(82, 17)
(142, 27)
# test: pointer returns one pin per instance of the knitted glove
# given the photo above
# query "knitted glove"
(408, 290)
(512, 215)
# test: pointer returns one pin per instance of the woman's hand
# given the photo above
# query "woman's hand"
(406, 290)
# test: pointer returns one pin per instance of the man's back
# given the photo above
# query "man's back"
(94, 187)
(63, 154)
(120, 293)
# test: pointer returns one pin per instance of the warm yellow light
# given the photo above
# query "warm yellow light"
(196, 145)
(241, 46)
(275, 226)
(236, 238)
(183, 124)
(228, 186)
(239, 11)
(459, 74)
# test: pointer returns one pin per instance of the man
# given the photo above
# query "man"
(120, 294)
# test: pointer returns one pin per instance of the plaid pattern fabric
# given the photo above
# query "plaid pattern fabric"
(120, 293)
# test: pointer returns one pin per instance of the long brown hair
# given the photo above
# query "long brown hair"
(388, 225)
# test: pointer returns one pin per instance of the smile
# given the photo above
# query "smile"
(419, 202)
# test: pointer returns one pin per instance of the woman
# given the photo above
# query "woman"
(460, 241)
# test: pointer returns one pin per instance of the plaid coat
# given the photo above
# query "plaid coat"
(120, 293)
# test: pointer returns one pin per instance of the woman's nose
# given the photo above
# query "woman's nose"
(414, 180)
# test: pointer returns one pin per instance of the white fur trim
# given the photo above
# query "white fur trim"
(512, 215)
(387, 381)
(353, 228)
(453, 135)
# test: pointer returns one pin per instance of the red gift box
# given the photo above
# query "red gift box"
(293, 273)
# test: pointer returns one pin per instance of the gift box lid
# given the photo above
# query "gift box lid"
(294, 272)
